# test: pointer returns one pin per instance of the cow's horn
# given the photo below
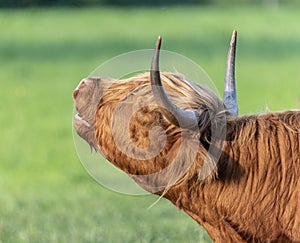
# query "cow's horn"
(183, 118)
(229, 99)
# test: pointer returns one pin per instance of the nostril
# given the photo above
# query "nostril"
(82, 84)
(75, 93)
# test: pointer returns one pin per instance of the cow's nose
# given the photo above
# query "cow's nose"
(75, 93)
(82, 84)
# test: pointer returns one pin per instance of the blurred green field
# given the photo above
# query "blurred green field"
(46, 195)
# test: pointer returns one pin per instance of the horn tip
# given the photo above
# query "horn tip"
(158, 43)
(233, 38)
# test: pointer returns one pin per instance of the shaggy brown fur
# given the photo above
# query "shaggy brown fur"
(252, 195)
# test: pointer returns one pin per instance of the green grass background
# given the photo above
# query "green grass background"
(46, 195)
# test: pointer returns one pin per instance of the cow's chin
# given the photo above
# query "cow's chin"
(84, 129)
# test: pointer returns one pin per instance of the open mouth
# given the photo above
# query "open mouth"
(80, 120)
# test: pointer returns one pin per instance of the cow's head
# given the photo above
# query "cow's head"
(140, 123)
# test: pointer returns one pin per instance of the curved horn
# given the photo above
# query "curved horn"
(230, 100)
(183, 118)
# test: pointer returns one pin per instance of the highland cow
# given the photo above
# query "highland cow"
(238, 177)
